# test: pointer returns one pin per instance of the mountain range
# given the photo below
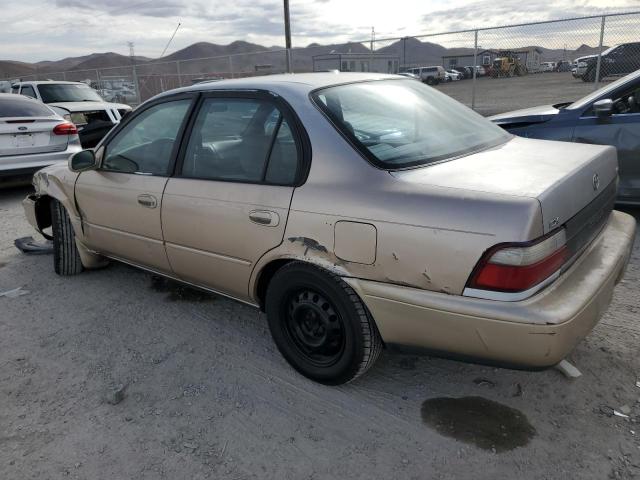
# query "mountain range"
(409, 51)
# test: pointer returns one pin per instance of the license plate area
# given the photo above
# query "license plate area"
(21, 140)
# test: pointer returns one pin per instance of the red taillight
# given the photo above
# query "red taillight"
(65, 129)
(519, 267)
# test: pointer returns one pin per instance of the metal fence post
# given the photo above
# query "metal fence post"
(179, 73)
(475, 60)
(597, 77)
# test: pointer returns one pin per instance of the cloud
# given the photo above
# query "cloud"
(51, 29)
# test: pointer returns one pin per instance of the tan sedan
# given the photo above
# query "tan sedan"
(357, 210)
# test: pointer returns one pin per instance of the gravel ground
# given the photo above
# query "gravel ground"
(208, 396)
(498, 95)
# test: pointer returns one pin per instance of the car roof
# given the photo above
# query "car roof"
(39, 82)
(286, 82)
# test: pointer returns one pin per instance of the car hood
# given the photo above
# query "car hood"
(89, 106)
(559, 175)
(526, 115)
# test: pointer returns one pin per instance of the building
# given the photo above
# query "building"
(531, 57)
(356, 62)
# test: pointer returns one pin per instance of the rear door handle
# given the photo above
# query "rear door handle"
(264, 217)
(147, 200)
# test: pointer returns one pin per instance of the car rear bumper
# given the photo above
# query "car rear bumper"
(534, 333)
(23, 164)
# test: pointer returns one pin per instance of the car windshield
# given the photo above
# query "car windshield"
(402, 123)
(67, 92)
(605, 91)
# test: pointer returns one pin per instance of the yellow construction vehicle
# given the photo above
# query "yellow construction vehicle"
(507, 65)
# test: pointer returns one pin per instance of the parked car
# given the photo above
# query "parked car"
(618, 60)
(480, 70)
(359, 211)
(78, 102)
(580, 66)
(429, 75)
(460, 71)
(547, 66)
(32, 136)
(451, 76)
(409, 75)
(563, 66)
(468, 71)
(608, 116)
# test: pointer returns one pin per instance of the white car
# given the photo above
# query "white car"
(451, 76)
(547, 66)
(32, 136)
(430, 75)
(78, 102)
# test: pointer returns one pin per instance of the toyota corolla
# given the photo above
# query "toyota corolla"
(359, 211)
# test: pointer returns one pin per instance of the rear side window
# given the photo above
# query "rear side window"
(145, 144)
(241, 139)
(28, 91)
(20, 107)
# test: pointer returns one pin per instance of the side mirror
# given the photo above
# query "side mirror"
(83, 161)
(603, 108)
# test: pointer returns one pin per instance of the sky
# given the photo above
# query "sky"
(53, 29)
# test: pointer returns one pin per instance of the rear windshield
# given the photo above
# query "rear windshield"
(67, 92)
(22, 107)
(403, 123)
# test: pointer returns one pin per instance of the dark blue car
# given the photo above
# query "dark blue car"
(609, 116)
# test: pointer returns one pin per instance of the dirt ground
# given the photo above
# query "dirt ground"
(208, 396)
(498, 95)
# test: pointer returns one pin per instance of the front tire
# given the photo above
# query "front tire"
(66, 259)
(320, 325)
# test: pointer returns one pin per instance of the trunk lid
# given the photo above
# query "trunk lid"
(30, 135)
(564, 177)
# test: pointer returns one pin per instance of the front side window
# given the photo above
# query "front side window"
(402, 123)
(241, 139)
(146, 143)
(68, 92)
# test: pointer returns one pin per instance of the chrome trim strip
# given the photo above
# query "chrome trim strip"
(509, 296)
(209, 254)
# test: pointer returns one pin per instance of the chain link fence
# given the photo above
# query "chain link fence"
(489, 69)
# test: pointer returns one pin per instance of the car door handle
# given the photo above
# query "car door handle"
(264, 217)
(147, 200)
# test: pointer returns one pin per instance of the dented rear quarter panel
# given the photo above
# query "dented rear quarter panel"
(427, 237)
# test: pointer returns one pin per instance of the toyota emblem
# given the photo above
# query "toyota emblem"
(596, 181)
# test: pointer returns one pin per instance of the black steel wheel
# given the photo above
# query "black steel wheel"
(320, 325)
(313, 326)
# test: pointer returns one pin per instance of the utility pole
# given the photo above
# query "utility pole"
(372, 47)
(132, 56)
(287, 36)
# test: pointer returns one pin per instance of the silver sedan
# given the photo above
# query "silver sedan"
(32, 136)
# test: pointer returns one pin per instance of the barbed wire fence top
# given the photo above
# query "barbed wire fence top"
(491, 69)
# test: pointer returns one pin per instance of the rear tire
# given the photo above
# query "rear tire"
(320, 325)
(66, 259)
